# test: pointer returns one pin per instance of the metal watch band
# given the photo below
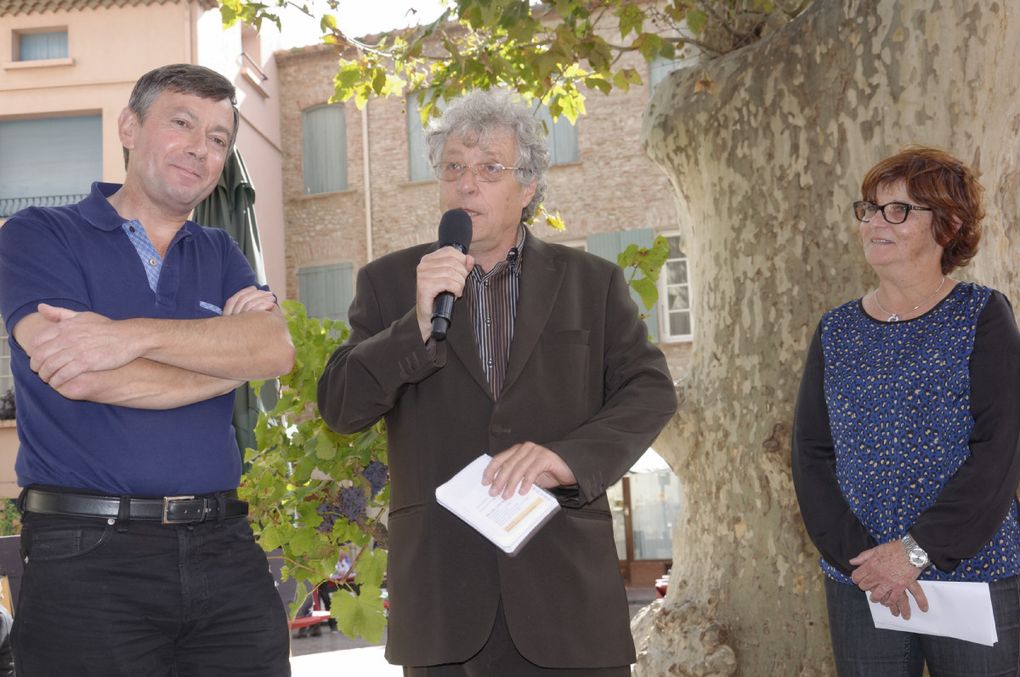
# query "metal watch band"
(915, 553)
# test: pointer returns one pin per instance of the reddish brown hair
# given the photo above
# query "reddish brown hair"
(936, 179)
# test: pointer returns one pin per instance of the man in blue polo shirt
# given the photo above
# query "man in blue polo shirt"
(130, 327)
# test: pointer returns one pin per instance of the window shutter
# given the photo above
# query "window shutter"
(325, 149)
(561, 139)
(327, 291)
(609, 246)
(418, 168)
(45, 158)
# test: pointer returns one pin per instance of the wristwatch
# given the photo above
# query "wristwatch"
(915, 553)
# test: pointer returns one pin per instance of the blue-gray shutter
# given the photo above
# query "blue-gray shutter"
(609, 245)
(50, 160)
(418, 168)
(562, 138)
(37, 46)
(325, 149)
(327, 291)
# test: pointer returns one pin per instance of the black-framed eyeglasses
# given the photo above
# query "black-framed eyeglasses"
(892, 212)
(483, 171)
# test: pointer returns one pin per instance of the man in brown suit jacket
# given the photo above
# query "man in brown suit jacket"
(547, 367)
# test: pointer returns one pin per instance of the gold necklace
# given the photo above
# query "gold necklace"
(895, 317)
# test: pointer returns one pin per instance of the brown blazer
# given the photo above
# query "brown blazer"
(583, 380)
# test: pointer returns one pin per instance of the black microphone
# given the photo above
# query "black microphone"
(454, 231)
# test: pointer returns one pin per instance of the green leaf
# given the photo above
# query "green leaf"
(325, 448)
(372, 567)
(632, 19)
(270, 538)
(696, 20)
(649, 45)
(647, 290)
(301, 541)
(359, 614)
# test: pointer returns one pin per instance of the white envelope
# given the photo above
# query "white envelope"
(955, 609)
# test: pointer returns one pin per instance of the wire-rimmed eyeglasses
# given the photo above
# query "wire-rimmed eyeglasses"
(483, 171)
(893, 212)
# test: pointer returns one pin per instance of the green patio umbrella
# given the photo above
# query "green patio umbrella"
(231, 206)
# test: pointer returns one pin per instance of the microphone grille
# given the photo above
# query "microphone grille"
(455, 229)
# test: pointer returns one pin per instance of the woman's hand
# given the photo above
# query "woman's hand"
(888, 575)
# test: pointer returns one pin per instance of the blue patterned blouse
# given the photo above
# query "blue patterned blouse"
(898, 397)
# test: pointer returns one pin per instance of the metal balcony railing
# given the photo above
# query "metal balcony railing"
(10, 205)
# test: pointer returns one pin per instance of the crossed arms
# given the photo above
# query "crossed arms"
(154, 363)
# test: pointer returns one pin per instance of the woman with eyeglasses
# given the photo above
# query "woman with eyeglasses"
(905, 450)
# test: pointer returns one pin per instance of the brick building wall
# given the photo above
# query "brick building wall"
(613, 185)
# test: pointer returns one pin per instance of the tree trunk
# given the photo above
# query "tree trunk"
(767, 147)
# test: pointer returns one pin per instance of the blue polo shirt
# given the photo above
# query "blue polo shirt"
(81, 257)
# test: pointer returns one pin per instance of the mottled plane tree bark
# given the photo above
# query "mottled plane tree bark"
(766, 147)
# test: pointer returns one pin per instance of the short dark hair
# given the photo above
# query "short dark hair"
(938, 180)
(181, 78)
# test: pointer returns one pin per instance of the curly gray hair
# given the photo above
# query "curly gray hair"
(478, 113)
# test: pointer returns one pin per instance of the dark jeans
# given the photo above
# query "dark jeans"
(154, 600)
(861, 650)
(499, 657)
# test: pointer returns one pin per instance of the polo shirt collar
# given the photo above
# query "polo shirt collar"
(99, 213)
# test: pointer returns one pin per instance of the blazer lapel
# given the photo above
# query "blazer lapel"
(461, 338)
(541, 280)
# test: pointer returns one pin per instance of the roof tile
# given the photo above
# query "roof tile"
(23, 7)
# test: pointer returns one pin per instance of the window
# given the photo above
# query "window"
(39, 46)
(251, 43)
(48, 161)
(659, 68)
(325, 149)
(561, 138)
(327, 291)
(609, 245)
(251, 59)
(6, 380)
(675, 294)
(418, 168)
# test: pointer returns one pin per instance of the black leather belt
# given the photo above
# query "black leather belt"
(168, 510)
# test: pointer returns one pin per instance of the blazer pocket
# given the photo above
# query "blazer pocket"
(406, 511)
(587, 513)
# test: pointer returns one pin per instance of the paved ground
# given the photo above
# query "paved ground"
(332, 653)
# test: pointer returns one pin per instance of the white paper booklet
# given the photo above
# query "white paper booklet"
(955, 609)
(508, 523)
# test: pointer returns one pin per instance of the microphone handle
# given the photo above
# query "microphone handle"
(442, 309)
(442, 313)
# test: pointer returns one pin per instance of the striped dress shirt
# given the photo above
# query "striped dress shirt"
(492, 300)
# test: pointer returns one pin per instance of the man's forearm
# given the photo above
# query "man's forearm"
(144, 384)
(247, 346)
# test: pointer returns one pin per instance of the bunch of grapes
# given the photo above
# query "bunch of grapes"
(350, 503)
(377, 475)
(328, 518)
(7, 406)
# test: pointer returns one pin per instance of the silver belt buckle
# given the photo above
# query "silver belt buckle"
(166, 508)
